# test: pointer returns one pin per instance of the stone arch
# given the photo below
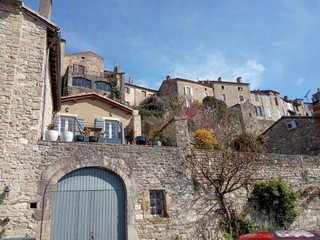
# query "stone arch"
(54, 172)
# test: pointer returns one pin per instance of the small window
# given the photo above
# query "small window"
(222, 87)
(268, 112)
(241, 98)
(144, 94)
(157, 203)
(278, 113)
(265, 98)
(188, 103)
(127, 90)
(259, 111)
(81, 82)
(223, 97)
(188, 90)
(104, 86)
(256, 97)
(276, 101)
(80, 69)
(240, 88)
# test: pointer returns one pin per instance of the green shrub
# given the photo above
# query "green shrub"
(277, 200)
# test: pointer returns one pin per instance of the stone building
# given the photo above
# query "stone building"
(66, 191)
(134, 94)
(183, 91)
(230, 92)
(294, 135)
(84, 73)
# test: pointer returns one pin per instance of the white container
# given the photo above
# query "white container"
(66, 136)
(52, 135)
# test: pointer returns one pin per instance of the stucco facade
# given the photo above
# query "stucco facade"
(93, 107)
(134, 94)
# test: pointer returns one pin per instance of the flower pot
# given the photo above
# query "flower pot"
(157, 143)
(66, 136)
(93, 139)
(51, 135)
(141, 140)
(79, 138)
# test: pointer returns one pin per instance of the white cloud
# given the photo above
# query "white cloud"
(299, 81)
(213, 65)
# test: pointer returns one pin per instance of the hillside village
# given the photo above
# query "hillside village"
(100, 177)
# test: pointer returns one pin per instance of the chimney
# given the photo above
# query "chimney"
(286, 98)
(219, 79)
(130, 80)
(117, 69)
(167, 77)
(45, 8)
(239, 79)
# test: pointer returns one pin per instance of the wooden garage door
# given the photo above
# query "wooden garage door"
(88, 204)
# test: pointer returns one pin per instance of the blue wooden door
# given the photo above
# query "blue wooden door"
(88, 204)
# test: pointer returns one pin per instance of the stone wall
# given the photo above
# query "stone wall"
(94, 64)
(33, 176)
(302, 139)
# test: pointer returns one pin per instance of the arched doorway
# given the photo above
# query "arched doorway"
(88, 204)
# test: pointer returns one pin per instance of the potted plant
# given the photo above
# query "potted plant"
(51, 134)
(66, 136)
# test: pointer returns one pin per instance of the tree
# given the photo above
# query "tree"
(226, 171)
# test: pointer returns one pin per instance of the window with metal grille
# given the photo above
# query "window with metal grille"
(81, 82)
(157, 203)
(241, 98)
(102, 86)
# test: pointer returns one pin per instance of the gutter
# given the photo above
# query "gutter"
(45, 85)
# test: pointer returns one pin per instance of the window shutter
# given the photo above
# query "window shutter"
(79, 126)
(185, 90)
(121, 131)
(56, 121)
(99, 123)
(191, 92)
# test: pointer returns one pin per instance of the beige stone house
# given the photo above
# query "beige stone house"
(183, 91)
(230, 92)
(269, 105)
(111, 121)
(134, 94)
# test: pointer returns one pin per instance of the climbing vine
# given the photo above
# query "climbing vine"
(277, 200)
(115, 90)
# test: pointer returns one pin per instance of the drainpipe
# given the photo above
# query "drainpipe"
(45, 84)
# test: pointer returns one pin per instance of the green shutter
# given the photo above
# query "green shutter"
(99, 123)
(56, 121)
(79, 126)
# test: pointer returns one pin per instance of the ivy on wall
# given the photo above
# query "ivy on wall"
(277, 200)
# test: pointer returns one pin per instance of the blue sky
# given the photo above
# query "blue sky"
(271, 44)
